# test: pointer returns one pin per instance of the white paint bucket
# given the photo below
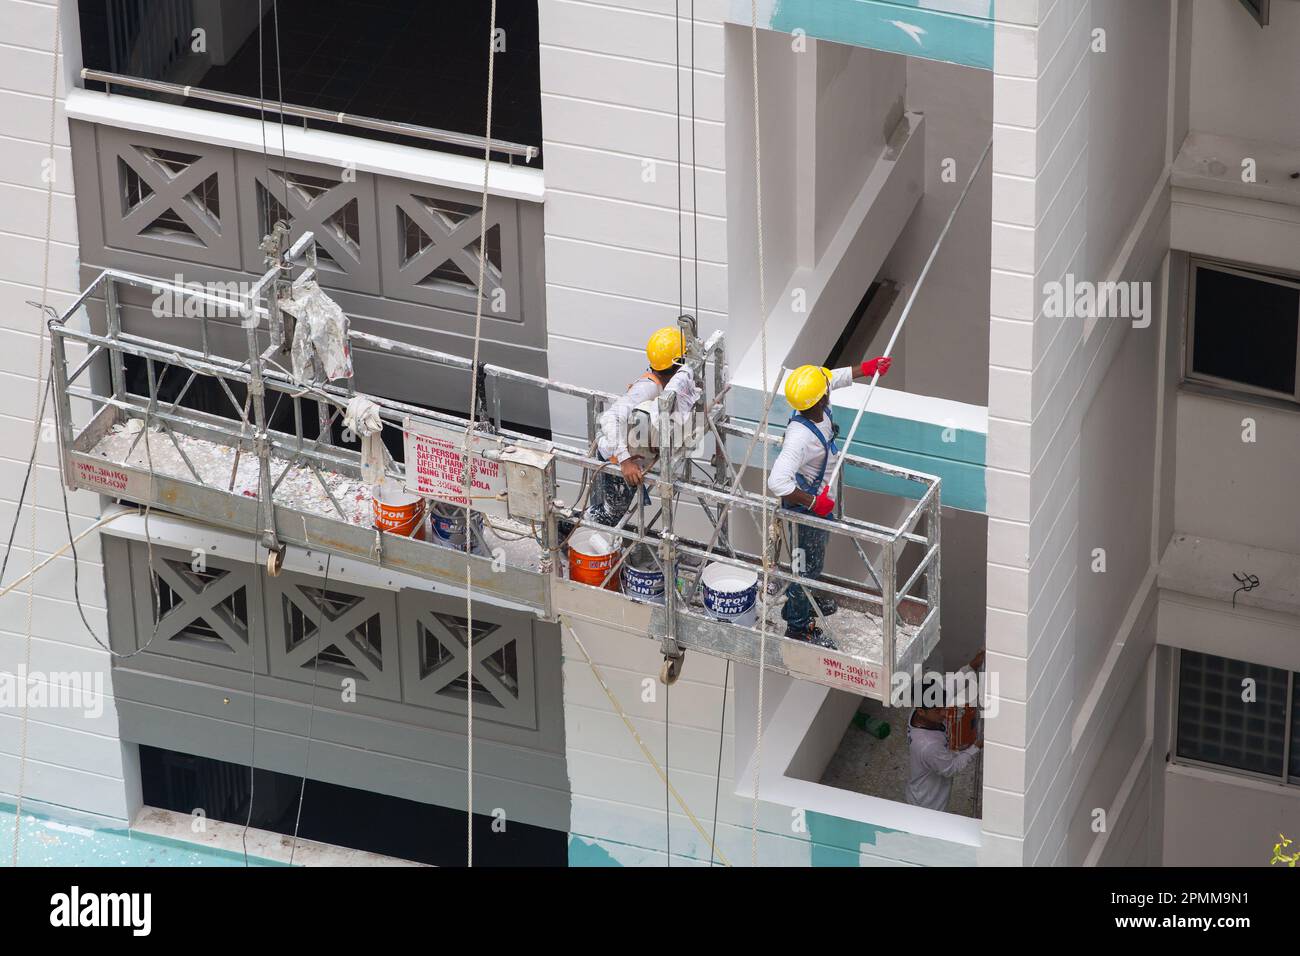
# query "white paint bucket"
(730, 594)
(643, 579)
(449, 526)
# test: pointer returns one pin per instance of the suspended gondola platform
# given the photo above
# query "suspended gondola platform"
(700, 509)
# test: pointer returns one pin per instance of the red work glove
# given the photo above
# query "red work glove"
(872, 366)
(823, 504)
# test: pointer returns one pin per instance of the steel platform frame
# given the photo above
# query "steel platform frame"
(713, 484)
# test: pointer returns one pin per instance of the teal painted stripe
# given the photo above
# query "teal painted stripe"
(895, 26)
(584, 852)
(925, 439)
(80, 840)
(837, 841)
(958, 463)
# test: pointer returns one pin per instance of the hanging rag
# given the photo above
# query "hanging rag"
(362, 417)
(320, 337)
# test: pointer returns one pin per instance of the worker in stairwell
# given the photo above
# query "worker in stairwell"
(797, 476)
(612, 495)
(931, 764)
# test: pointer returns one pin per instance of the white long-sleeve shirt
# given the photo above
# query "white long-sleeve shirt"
(931, 767)
(612, 441)
(801, 452)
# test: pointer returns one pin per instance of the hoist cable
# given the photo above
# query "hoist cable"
(767, 511)
(469, 437)
(311, 714)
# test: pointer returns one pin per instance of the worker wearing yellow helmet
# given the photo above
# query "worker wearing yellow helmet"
(797, 476)
(611, 494)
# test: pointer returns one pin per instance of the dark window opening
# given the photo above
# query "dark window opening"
(341, 816)
(1243, 330)
(1232, 713)
(419, 63)
(851, 347)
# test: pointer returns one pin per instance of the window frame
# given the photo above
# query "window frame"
(1195, 263)
(1285, 778)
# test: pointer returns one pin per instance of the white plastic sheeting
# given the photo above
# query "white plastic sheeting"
(320, 335)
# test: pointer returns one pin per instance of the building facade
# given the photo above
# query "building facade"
(1099, 363)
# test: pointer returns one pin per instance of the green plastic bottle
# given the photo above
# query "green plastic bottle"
(873, 725)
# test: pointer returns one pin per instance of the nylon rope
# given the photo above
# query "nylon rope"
(767, 513)
(645, 750)
(469, 433)
(38, 412)
(722, 736)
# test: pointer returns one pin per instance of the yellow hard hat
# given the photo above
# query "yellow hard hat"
(806, 385)
(665, 347)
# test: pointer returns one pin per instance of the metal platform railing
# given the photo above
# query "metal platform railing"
(696, 511)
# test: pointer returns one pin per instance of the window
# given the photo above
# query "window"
(1236, 715)
(423, 64)
(1244, 330)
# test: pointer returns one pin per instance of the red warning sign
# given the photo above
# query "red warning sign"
(108, 479)
(435, 467)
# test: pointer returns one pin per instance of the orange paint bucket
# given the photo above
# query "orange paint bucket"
(397, 511)
(591, 556)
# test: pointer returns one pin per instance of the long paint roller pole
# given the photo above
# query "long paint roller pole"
(907, 309)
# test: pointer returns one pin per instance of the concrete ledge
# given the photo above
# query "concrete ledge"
(336, 149)
(264, 844)
(1204, 567)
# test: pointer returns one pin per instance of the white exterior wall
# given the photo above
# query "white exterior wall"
(1244, 80)
(609, 124)
(73, 759)
(608, 108)
(1080, 149)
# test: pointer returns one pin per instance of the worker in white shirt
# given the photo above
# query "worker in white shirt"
(931, 764)
(797, 475)
(612, 495)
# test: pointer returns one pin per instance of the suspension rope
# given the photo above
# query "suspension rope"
(767, 511)
(39, 410)
(311, 714)
(279, 88)
(677, 122)
(695, 190)
(469, 437)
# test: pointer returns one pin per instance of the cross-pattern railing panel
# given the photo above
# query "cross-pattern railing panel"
(434, 659)
(335, 205)
(205, 608)
(328, 632)
(167, 197)
(434, 256)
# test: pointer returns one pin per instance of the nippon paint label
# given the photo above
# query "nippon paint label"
(109, 479)
(435, 467)
(827, 667)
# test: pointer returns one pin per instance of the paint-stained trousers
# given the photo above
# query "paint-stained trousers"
(798, 612)
(611, 497)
